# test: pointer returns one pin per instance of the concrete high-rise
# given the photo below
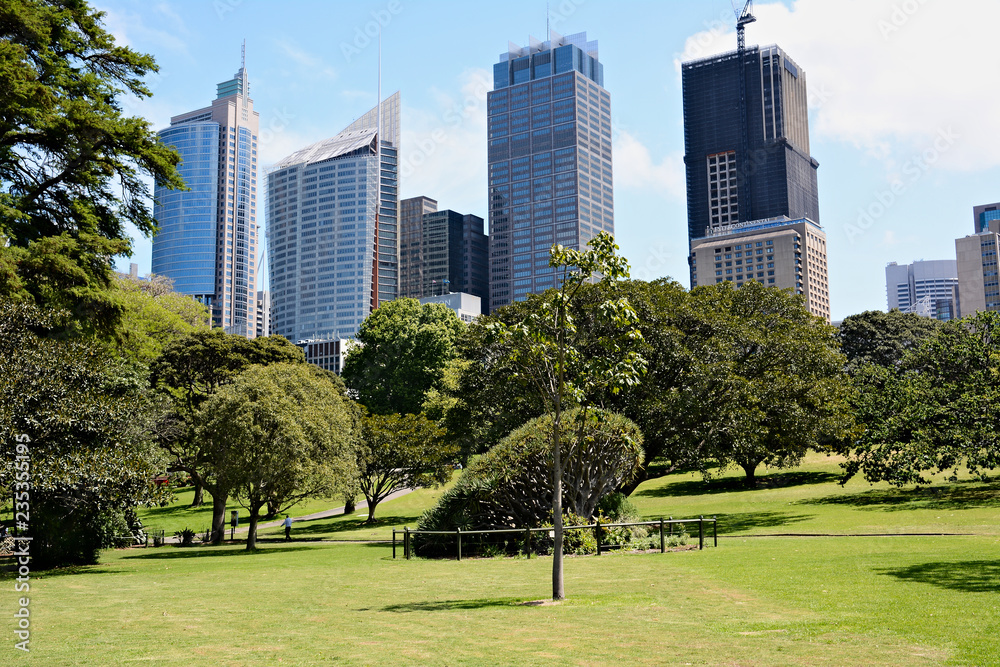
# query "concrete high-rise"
(549, 155)
(928, 288)
(978, 283)
(750, 177)
(332, 229)
(441, 251)
(207, 243)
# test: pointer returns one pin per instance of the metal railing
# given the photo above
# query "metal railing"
(665, 526)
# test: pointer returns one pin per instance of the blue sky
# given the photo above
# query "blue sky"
(903, 102)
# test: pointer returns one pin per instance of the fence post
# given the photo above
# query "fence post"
(715, 530)
(671, 526)
(527, 542)
(701, 531)
(458, 531)
(597, 536)
(394, 544)
(406, 542)
(663, 546)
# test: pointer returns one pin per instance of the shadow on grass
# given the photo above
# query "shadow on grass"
(450, 605)
(9, 574)
(745, 521)
(165, 553)
(319, 526)
(971, 576)
(732, 484)
(966, 494)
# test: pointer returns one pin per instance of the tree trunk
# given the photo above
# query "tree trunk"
(219, 499)
(349, 504)
(372, 504)
(750, 468)
(252, 533)
(199, 491)
(558, 590)
(273, 507)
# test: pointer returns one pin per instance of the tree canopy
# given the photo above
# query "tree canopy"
(404, 349)
(283, 432)
(72, 165)
(883, 338)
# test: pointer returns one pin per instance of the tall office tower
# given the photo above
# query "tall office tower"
(207, 241)
(928, 288)
(332, 222)
(445, 251)
(411, 243)
(984, 214)
(978, 285)
(746, 157)
(549, 154)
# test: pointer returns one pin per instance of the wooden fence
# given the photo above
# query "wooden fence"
(666, 527)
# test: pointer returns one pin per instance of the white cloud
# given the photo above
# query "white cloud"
(887, 76)
(634, 168)
(129, 28)
(443, 151)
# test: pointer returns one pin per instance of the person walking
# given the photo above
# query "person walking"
(288, 528)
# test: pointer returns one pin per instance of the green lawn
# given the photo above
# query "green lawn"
(899, 600)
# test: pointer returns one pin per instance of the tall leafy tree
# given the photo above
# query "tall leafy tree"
(937, 412)
(72, 165)
(405, 347)
(874, 337)
(548, 357)
(398, 452)
(78, 422)
(190, 370)
(154, 315)
(283, 431)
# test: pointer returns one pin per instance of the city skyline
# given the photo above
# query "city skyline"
(904, 145)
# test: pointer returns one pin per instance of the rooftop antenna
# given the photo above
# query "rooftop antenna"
(742, 19)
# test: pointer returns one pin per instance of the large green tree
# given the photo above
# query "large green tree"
(937, 411)
(72, 165)
(398, 452)
(405, 347)
(78, 423)
(874, 337)
(154, 315)
(190, 370)
(284, 431)
(553, 357)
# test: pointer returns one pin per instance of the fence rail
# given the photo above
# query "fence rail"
(597, 527)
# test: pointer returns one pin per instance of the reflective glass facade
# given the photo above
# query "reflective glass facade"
(549, 153)
(331, 259)
(184, 248)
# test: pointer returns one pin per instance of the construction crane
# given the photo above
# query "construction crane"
(742, 19)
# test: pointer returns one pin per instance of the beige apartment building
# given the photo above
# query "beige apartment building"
(978, 287)
(779, 252)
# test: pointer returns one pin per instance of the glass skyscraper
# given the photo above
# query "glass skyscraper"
(549, 153)
(207, 243)
(332, 230)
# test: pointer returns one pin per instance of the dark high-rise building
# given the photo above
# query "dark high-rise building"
(441, 251)
(752, 192)
(549, 153)
(775, 176)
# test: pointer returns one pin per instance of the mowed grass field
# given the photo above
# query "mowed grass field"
(756, 600)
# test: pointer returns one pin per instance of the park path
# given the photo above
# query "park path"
(336, 511)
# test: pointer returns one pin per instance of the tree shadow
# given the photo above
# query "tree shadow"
(170, 553)
(328, 525)
(450, 605)
(8, 574)
(744, 521)
(734, 484)
(966, 494)
(971, 576)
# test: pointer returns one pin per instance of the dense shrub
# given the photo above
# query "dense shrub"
(511, 487)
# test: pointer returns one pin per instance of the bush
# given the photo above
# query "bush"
(186, 537)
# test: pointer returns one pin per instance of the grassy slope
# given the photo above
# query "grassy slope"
(774, 601)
